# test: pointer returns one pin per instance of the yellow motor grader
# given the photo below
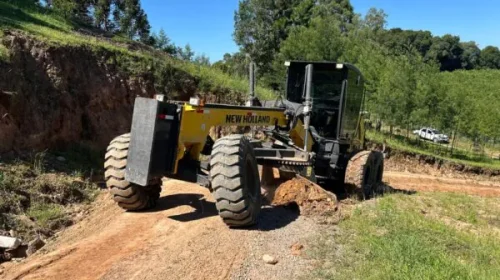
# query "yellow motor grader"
(316, 132)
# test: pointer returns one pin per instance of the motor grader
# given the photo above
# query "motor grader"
(316, 131)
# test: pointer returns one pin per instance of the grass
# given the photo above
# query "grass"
(46, 213)
(47, 26)
(423, 236)
(436, 151)
(38, 194)
(4, 53)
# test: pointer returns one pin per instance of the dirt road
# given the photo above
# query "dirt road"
(426, 183)
(183, 238)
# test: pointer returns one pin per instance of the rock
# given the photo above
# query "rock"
(5, 257)
(19, 252)
(61, 159)
(35, 245)
(8, 242)
(12, 233)
(296, 249)
(269, 259)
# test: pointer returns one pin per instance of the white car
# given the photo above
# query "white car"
(432, 135)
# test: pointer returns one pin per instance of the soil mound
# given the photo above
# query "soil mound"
(311, 198)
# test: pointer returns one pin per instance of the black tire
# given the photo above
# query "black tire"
(235, 181)
(361, 174)
(379, 165)
(128, 196)
(379, 186)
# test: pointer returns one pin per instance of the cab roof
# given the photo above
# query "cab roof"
(338, 65)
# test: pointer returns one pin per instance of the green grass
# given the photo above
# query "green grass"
(439, 151)
(48, 27)
(46, 213)
(424, 236)
(40, 193)
(4, 53)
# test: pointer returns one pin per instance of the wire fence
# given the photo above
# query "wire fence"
(459, 146)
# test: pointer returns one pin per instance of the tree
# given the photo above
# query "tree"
(322, 40)
(490, 58)
(234, 64)
(142, 26)
(65, 8)
(102, 12)
(202, 60)
(185, 53)
(341, 10)
(82, 11)
(131, 20)
(375, 19)
(163, 43)
(448, 51)
(399, 41)
(471, 55)
(261, 26)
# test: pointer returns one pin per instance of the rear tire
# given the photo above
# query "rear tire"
(235, 181)
(379, 165)
(362, 173)
(127, 195)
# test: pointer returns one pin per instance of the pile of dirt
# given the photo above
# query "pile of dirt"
(311, 198)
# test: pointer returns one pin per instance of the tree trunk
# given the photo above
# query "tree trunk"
(408, 132)
(453, 141)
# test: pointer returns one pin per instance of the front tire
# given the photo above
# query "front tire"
(235, 181)
(127, 195)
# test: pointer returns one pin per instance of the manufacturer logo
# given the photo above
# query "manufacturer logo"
(247, 119)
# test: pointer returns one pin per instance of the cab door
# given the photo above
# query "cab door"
(422, 133)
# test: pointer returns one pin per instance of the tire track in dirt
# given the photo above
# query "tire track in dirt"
(428, 183)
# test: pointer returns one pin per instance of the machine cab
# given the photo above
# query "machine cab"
(337, 96)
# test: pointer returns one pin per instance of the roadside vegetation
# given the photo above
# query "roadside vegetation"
(132, 57)
(440, 151)
(422, 236)
(41, 193)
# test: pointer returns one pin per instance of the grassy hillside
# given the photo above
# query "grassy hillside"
(46, 191)
(136, 58)
(422, 236)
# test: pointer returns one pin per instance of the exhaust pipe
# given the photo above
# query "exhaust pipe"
(251, 94)
(308, 103)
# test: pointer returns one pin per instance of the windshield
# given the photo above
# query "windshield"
(326, 84)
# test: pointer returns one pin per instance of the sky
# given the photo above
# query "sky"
(207, 25)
